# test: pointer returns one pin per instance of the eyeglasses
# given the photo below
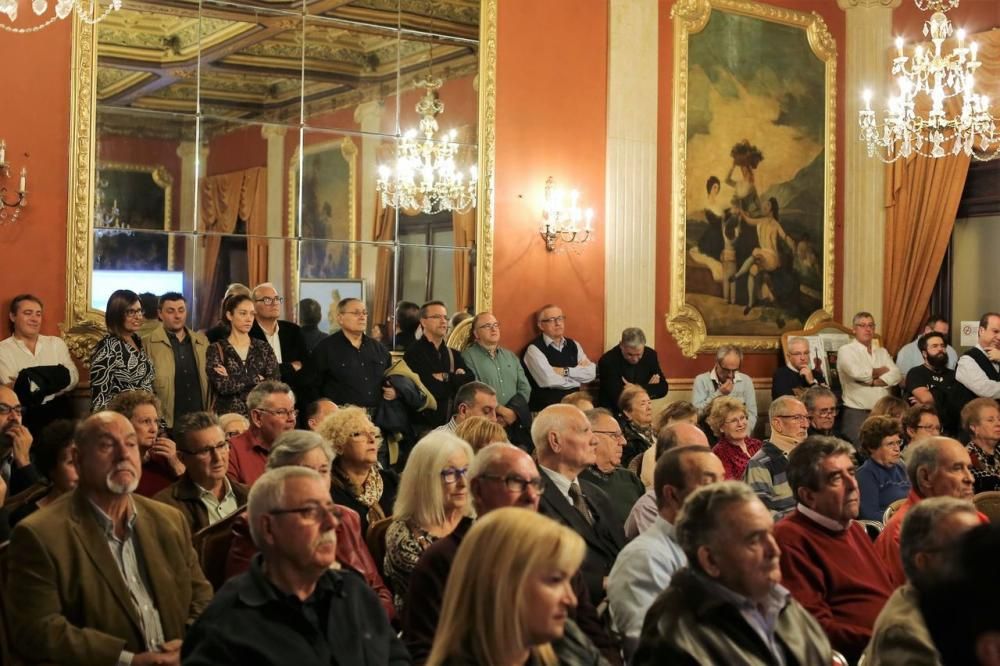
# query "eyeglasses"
(6, 410)
(614, 434)
(283, 413)
(829, 411)
(438, 317)
(517, 484)
(451, 475)
(270, 300)
(356, 313)
(929, 428)
(233, 433)
(736, 420)
(368, 434)
(314, 513)
(206, 453)
(895, 443)
(495, 326)
(133, 312)
(553, 320)
(793, 417)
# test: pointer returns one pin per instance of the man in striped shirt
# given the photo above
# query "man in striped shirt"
(765, 472)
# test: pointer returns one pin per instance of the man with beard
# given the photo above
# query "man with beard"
(104, 576)
(932, 381)
(16, 468)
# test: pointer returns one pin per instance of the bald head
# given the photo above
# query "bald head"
(108, 455)
(92, 428)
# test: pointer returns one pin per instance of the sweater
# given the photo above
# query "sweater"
(880, 486)
(836, 576)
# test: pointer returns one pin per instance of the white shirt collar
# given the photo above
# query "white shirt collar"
(822, 520)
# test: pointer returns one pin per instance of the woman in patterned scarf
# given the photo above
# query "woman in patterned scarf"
(358, 481)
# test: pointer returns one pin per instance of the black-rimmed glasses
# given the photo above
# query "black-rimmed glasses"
(313, 513)
(517, 484)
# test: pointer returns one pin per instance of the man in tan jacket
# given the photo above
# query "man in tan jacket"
(102, 576)
(178, 354)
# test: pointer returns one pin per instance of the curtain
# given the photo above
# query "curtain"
(922, 197)
(226, 199)
(385, 268)
(465, 236)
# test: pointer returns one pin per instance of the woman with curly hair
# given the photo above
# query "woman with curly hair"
(727, 417)
(981, 419)
(882, 477)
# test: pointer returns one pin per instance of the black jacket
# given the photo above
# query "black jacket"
(612, 368)
(36, 383)
(293, 348)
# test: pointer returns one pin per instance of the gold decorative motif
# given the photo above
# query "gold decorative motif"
(684, 322)
(487, 154)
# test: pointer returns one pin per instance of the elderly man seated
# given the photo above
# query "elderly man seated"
(726, 379)
(728, 606)
(291, 607)
(272, 412)
(630, 363)
(797, 375)
(104, 576)
(827, 559)
(765, 472)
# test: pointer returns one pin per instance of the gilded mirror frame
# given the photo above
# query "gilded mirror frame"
(83, 325)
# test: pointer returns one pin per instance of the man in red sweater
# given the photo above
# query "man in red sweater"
(827, 560)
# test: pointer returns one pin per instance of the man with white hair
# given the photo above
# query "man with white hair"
(866, 372)
(726, 379)
(291, 607)
(798, 374)
(284, 337)
(104, 576)
(556, 365)
(765, 472)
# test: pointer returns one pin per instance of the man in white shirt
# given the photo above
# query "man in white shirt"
(866, 374)
(978, 372)
(557, 365)
(909, 355)
(726, 379)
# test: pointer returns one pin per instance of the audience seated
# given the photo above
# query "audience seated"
(821, 404)
(978, 371)
(118, 362)
(316, 411)
(797, 375)
(479, 431)
(441, 369)
(271, 406)
(203, 493)
(292, 607)
(866, 373)
(911, 355)
(238, 362)
(433, 498)
(528, 580)
(161, 465)
(579, 399)
(675, 412)
(104, 576)
(919, 421)
(472, 399)
(622, 487)
(16, 469)
(981, 419)
(930, 531)
(645, 566)
(765, 471)
(635, 416)
(178, 356)
(882, 477)
(357, 480)
(727, 417)
(630, 363)
(725, 379)
(284, 338)
(937, 467)
(55, 460)
(728, 606)
(565, 444)
(556, 365)
(932, 381)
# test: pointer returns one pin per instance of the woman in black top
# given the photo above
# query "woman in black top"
(118, 362)
(238, 363)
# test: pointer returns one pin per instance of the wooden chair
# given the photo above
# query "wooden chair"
(376, 545)
(212, 545)
(891, 510)
(872, 527)
(988, 503)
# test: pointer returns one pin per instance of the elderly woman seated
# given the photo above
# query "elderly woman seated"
(308, 449)
(54, 459)
(433, 497)
(675, 412)
(358, 482)
(882, 477)
(981, 419)
(635, 415)
(727, 417)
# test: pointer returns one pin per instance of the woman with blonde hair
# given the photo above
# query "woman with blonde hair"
(478, 431)
(357, 480)
(727, 417)
(508, 595)
(433, 497)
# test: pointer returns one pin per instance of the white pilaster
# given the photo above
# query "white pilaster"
(193, 164)
(368, 116)
(276, 222)
(629, 226)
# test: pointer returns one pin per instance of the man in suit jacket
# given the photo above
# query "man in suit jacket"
(102, 575)
(566, 446)
(286, 340)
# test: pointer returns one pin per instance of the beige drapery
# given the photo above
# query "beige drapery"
(922, 197)
(385, 265)
(465, 237)
(226, 199)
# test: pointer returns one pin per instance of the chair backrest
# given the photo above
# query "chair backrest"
(988, 503)
(376, 544)
(212, 545)
(873, 527)
(891, 510)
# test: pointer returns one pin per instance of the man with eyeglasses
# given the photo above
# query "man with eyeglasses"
(867, 373)
(821, 404)
(765, 472)
(272, 411)
(441, 369)
(291, 607)
(501, 475)
(556, 365)
(726, 379)
(284, 337)
(797, 374)
(16, 468)
(628, 363)
(621, 485)
(203, 493)
(645, 566)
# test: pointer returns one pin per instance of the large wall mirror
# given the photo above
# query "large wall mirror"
(219, 141)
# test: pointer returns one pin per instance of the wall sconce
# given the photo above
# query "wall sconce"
(21, 201)
(562, 222)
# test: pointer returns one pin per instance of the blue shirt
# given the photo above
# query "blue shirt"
(706, 389)
(880, 486)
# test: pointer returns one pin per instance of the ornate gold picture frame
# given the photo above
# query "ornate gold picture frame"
(752, 222)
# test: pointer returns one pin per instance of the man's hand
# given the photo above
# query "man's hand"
(585, 362)
(807, 374)
(21, 440)
(878, 382)
(505, 415)
(460, 371)
(169, 654)
(655, 379)
(559, 371)
(994, 354)
(726, 387)
(166, 450)
(440, 376)
(388, 393)
(296, 365)
(3, 492)
(878, 372)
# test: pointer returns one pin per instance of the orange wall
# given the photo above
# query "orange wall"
(34, 119)
(551, 121)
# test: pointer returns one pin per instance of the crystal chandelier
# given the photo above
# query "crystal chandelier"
(426, 177)
(916, 120)
(88, 11)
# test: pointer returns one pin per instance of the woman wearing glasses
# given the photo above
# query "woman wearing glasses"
(118, 362)
(238, 363)
(882, 477)
(727, 417)
(433, 497)
(636, 419)
(357, 480)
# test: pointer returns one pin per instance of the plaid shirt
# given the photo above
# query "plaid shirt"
(765, 473)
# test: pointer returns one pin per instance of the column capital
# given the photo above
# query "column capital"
(273, 132)
(368, 114)
(868, 4)
(187, 150)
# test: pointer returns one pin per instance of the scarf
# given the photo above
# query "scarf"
(369, 494)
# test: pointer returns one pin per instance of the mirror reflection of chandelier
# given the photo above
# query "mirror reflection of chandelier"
(88, 11)
(916, 119)
(426, 176)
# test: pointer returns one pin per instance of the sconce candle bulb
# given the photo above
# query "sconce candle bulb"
(15, 204)
(560, 223)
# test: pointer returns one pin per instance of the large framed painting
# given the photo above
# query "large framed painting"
(328, 293)
(752, 223)
(131, 200)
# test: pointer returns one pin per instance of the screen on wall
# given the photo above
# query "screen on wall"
(104, 283)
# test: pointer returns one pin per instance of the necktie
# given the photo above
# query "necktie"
(579, 503)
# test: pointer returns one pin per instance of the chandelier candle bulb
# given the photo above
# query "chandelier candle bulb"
(23, 185)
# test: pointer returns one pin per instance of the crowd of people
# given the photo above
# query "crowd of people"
(469, 506)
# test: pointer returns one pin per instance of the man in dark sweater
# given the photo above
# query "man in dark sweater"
(798, 374)
(441, 368)
(629, 362)
(556, 366)
(828, 561)
(285, 339)
(931, 382)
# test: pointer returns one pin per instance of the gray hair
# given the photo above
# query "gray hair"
(554, 418)
(488, 456)
(862, 315)
(290, 446)
(262, 285)
(258, 394)
(725, 350)
(779, 405)
(268, 492)
(698, 520)
(923, 453)
(813, 394)
(596, 413)
(920, 527)
(805, 462)
(795, 341)
(226, 419)
(193, 422)
(633, 337)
